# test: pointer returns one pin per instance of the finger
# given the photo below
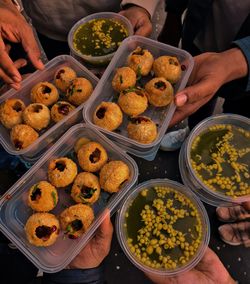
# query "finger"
(105, 230)
(19, 63)
(195, 93)
(8, 48)
(143, 27)
(246, 205)
(15, 86)
(31, 47)
(7, 79)
(8, 67)
(185, 111)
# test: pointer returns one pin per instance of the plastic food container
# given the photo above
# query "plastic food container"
(122, 232)
(15, 212)
(97, 60)
(161, 116)
(189, 177)
(54, 130)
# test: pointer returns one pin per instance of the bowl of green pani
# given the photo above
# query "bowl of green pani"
(163, 228)
(217, 156)
(96, 37)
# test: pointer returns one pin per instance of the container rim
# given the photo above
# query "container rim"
(98, 15)
(120, 232)
(199, 128)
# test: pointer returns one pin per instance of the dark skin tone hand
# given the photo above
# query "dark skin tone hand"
(211, 70)
(97, 248)
(14, 28)
(209, 270)
(140, 20)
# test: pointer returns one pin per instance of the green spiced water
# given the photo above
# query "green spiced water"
(220, 158)
(163, 228)
(99, 37)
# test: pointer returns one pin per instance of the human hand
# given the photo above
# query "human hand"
(97, 249)
(211, 71)
(14, 28)
(18, 64)
(140, 20)
(209, 270)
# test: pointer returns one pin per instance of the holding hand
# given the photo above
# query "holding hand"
(209, 270)
(14, 28)
(211, 71)
(97, 249)
(140, 20)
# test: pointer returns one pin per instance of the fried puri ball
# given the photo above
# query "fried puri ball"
(42, 229)
(44, 93)
(86, 188)
(63, 77)
(142, 129)
(76, 219)
(61, 109)
(92, 156)
(22, 136)
(37, 116)
(141, 61)
(11, 112)
(108, 115)
(124, 78)
(113, 175)
(160, 92)
(42, 196)
(133, 101)
(62, 171)
(79, 91)
(167, 67)
(79, 143)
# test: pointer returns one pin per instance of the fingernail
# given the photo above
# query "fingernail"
(41, 65)
(24, 63)
(181, 99)
(17, 79)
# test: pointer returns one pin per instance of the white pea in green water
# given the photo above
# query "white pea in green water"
(220, 156)
(163, 228)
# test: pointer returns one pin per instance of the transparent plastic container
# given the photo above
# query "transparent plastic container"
(54, 130)
(188, 175)
(161, 116)
(97, 60)
(122, 232)
(15, 211)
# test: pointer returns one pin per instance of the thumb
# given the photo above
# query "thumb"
(246, 205)
(195, 92)
(105, 230)
(128, 15)
(143, 27)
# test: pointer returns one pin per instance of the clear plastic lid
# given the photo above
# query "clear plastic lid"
(122, 232)
(188, 174)
(15, 211)
(161, 116)
(54, 130)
